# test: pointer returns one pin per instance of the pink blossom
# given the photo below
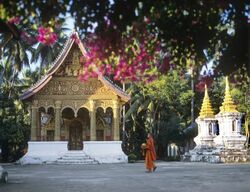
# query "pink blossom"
(46, 36)
(127, 60)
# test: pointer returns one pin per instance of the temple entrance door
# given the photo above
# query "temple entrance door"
(75, 136)
(99, 135)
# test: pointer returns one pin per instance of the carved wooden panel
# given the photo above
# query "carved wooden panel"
(61, 86)
(45, 103)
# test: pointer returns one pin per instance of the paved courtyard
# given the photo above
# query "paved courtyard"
(169, 177)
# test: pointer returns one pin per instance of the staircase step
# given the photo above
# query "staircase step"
(80, 158)
(76, 157)
(77, 162)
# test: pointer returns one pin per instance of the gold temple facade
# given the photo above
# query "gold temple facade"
(63, 108)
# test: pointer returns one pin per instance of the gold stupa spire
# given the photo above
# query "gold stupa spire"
(206, 108)
(228, 104)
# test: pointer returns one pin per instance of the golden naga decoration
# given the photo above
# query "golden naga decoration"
(206, 108)
(228, 104)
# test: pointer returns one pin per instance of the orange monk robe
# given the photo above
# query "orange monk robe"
(150, 156)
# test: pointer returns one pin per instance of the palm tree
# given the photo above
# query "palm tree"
(45, 55)
(15, 45)
(18, 45)
(14, 132)
(9, 80)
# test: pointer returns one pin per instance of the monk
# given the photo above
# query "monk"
(150, 156)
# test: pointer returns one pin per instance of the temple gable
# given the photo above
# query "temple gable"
(71, 65)
(65, 82)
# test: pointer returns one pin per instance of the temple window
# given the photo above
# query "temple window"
(234, 125)
(210, 128)
(217, 132)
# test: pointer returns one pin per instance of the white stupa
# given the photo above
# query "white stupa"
(206, 124)
(229, 119)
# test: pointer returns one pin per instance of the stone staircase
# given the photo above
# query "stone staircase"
(76, 157)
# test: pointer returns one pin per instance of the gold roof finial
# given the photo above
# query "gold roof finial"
(206, 108)
(228, 104)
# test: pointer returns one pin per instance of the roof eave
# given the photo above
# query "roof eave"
(33, 90)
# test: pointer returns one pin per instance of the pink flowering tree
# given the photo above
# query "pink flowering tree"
(132, 57)
(46, 36)
(19, 38)
(49, 41)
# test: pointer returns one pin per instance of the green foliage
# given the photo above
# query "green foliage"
(161, 107)
(134, 139)
(132, 158)
(13, 139)
(171, 90)
(14, 130)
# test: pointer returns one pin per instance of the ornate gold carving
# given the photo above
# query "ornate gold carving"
(75, 104)
(54, 87)
(58, 104)
(104, 103)
(71, 65)
(45, 103)
(61, 86)
(75, 87)
(76, 57)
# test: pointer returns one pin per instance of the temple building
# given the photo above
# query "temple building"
(73, 117)
(219, 136)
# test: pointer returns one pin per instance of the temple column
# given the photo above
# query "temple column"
(34, 113)
(92, 121)
(116, 135)
(58, 120)
(39, 128)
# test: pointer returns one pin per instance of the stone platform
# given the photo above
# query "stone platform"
(54, 152)
(217, 155)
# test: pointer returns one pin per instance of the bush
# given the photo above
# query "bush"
(132, 158)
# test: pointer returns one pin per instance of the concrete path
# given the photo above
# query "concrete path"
(169, 177)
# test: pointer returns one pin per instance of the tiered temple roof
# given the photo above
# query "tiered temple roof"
(228, 104)
(59, 61)
(206, 108)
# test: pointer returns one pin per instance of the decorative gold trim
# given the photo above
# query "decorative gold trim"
(206, 108)
(228, 104)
